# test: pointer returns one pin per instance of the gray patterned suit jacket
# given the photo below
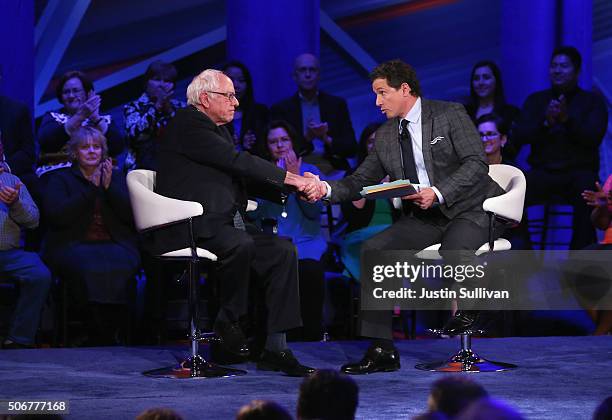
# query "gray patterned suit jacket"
(455, 162)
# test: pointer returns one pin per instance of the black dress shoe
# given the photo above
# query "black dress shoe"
(283, 361)
(460, 323)
(11, 345)
(233, 340)
(376, 359)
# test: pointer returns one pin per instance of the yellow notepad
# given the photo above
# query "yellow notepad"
(399, 188)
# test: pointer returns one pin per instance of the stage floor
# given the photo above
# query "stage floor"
(557, 378)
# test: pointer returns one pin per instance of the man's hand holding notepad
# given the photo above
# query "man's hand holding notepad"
(399, 188)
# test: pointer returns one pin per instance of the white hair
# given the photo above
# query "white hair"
(208, 80)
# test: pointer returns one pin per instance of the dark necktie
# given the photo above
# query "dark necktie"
(407, 156)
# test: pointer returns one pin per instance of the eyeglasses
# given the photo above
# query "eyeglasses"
(488, 135)
(231, 96)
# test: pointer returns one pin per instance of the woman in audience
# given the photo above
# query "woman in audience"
(90, 242)
(147, 116)
(493, 132)
(601, 217)
(365, 218)
(81, 108)
(300, 221)
(487, 96)
(248, 127)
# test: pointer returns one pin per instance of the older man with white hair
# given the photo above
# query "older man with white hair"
(198, 162)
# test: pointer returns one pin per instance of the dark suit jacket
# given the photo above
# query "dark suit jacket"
(455, 164)
(69, 207)
(17, 136)
(333, 110)
(198, 162)
(572, 145)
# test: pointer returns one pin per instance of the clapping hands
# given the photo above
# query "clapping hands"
(9, 195)
(598, 198)
(103, 174)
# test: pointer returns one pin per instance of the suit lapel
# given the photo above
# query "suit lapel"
(426, 136)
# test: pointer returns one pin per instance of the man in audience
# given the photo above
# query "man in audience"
(323, 119)
(262, 410)
(436, 145)
(18, 211)
(198, 162)
(564, 126)
(18, 151)
(451, 394)
(327, 395)
(489, 409)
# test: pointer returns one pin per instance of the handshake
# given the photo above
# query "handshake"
(309, 186)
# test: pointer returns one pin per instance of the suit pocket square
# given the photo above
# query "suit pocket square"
(434, 141)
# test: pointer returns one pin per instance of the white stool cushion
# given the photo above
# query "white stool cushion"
(431, 252)
(186, 253)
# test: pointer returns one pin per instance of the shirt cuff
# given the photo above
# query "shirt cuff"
(438, 194)
(328, 195)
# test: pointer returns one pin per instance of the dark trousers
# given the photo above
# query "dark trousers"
(416, 233)
(568, 184)
(34, 280)
(272, 260)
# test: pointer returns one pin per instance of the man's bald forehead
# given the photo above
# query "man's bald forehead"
(306, 60)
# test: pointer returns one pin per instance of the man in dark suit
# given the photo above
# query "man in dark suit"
(435, 144)
(565, 126)
(323, 119)
(198, 162)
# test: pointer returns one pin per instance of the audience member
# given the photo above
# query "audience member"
(601, 217)
(262, 410)
(364, 218)
(489, 409)
(17, 212)
(604, 410)
(81, 107)
(326, 395)
(323, 119)
(90, 241)
(300, 221)
(17, 148)
(487, 96)
(147, 116)
(248, 128)
(452, 394)
(564, 126)
(159, 414)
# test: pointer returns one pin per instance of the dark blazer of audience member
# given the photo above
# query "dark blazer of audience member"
(147, 116)
(334, 126)
(17, 137)
(487, 96)
(90, 236)
(358, 214)
(81, 107)
(248, 128)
